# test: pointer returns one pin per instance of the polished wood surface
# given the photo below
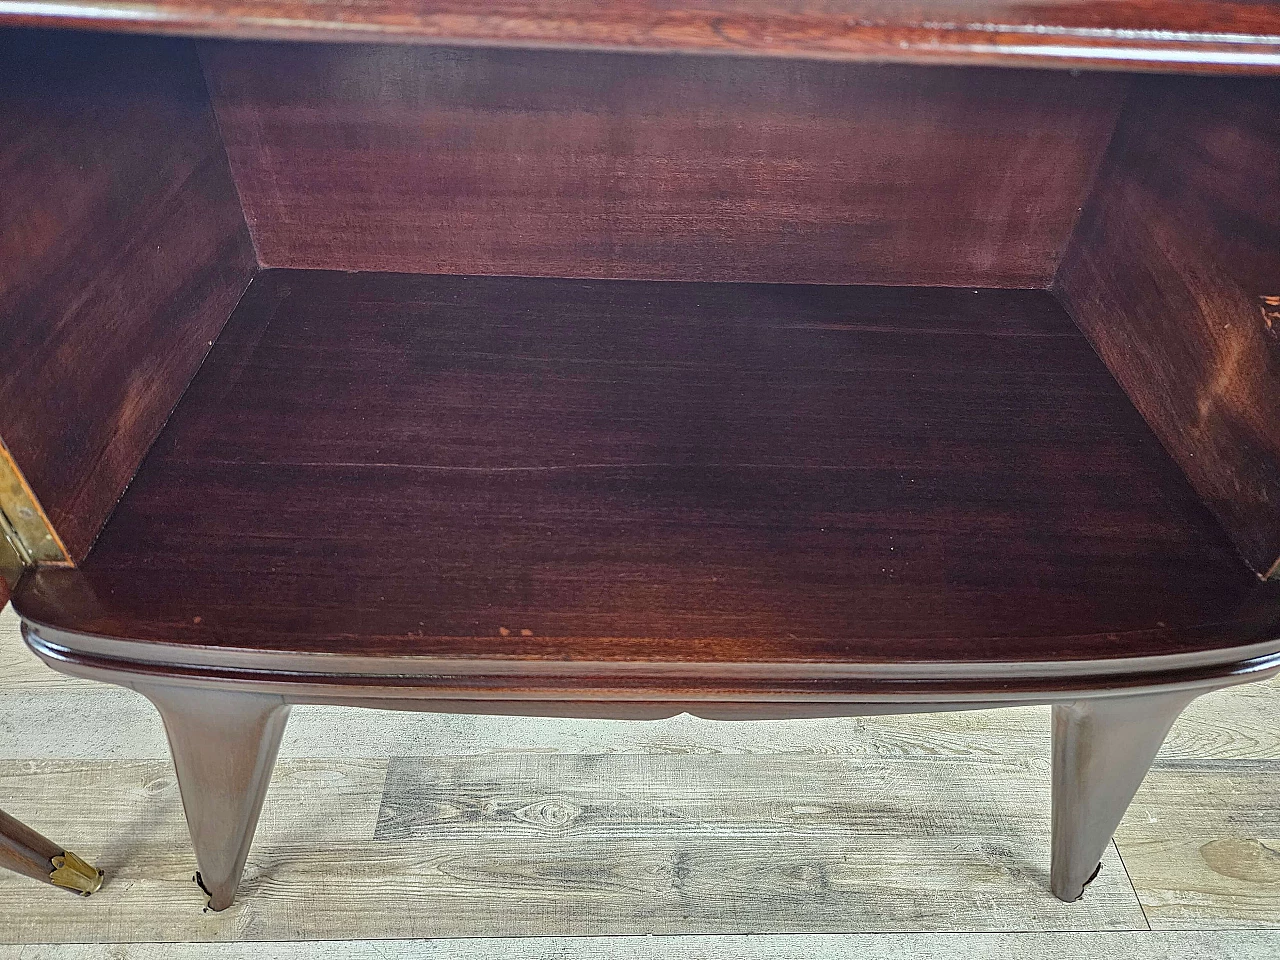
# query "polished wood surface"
(1102, 750)
(224, 737)
(606, 497)
(122, 252)
(224, 748)
(427, 160)
(34, 855)
(390, 824)
(224, 732)
(1203, 35)
(1174, 274)
(24, 851)
(605, 473)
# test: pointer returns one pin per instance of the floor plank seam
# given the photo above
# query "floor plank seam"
(1129, 879)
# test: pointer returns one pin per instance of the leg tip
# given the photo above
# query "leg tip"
(72, 873)
(219, 900)
(1069, 892)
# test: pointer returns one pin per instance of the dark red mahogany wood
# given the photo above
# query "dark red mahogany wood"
(25, 851)
(524, 163)
(1174, 273)
(1143, 34)
(122, 252)
(625, 478)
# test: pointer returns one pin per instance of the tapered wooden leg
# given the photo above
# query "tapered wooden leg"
(1102, 749)
(29, 853)
(224, 748)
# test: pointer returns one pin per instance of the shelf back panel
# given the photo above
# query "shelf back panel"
(560, 164)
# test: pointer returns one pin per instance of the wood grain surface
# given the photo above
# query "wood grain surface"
(1196, 861)
(1174, 274)
(122, 253)
(585, 165)
(606, 473)
(663, 873)
(951, 945)
(1204, 35)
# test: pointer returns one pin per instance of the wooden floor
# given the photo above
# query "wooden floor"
(921, 836)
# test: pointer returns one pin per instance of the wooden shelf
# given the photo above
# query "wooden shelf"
(1186, 35)
(610, 472)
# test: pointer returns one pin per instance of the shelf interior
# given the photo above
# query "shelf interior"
(496, 467)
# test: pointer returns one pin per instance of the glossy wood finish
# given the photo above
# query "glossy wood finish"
(224, 747)
(25, 851)
(122, 252)
(224, 734)
(590, 497)
(391, 824)
(585, 165)
(1174, 273)
(1203, 35)
(1102, 749)
(729, 490)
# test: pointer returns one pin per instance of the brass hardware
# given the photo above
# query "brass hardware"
(1270, 313)
(11, 561)
(22, 521)
(72, 873)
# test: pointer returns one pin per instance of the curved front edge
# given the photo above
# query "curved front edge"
(650, 691)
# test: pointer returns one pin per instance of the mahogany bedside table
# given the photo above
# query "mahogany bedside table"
(749, 359)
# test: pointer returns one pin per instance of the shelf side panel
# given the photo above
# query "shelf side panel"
(123, 251)
(1174, 274)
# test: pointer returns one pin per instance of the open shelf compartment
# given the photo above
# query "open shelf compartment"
(589, 382)
(448, 467)
(691, 363)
